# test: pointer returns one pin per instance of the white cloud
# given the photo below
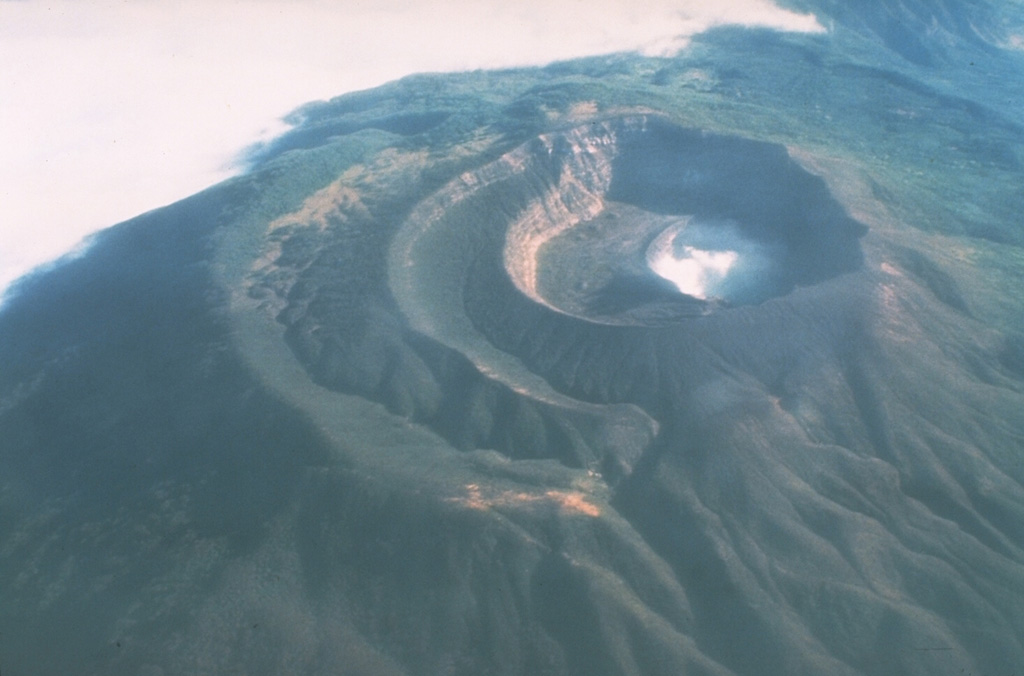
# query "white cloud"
(110, 108)
(697, 273)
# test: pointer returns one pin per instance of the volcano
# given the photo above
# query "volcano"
(710, 364)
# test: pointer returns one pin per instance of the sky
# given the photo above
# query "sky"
(111, 108)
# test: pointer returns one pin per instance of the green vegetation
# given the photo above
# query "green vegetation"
(314, 420)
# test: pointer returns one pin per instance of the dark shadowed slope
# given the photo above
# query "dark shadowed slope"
(705, 365)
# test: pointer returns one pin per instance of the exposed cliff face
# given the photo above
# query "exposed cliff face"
(581, 161)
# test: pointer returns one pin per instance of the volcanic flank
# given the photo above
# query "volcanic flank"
(579, 370)
(747, 439)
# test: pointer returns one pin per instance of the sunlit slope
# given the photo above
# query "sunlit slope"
(410, 399)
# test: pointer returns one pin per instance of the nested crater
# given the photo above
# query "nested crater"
(632, 221)
(646, 222)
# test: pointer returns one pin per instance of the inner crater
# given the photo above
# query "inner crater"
(648, 222)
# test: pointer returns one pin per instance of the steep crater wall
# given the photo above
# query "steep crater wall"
(637, 202)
